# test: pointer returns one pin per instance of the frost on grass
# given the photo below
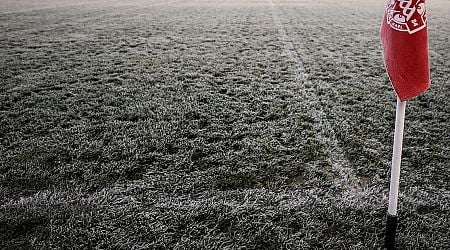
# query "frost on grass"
(159, 125)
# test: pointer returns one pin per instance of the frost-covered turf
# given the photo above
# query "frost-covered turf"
(213, 124)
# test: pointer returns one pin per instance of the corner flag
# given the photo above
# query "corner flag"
(404, 38)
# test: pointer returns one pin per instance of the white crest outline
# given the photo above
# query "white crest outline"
(406, 15)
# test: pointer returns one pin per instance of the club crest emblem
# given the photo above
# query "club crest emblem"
(407, 15)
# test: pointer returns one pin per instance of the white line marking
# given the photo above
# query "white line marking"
(346, 179)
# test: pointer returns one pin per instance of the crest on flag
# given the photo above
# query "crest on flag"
(406, 15)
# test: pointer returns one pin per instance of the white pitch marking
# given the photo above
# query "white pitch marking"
(346, 179)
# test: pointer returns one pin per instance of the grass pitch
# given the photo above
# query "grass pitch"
(213, 124)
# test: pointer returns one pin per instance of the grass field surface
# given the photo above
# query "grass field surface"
(194, 124)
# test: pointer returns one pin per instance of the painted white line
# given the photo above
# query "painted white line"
(346, 179)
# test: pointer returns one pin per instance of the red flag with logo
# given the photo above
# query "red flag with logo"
(404, 37)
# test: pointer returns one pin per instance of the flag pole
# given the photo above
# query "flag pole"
(391, 225)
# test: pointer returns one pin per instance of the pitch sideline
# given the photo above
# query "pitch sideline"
(346, 179)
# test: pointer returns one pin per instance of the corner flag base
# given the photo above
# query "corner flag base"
(391, 228)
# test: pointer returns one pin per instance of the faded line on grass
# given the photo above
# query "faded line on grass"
(141, 193)
(345, 178)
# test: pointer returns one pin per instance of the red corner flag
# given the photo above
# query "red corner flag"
(404, 37)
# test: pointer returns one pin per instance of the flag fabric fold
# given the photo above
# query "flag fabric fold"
(404, 37)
